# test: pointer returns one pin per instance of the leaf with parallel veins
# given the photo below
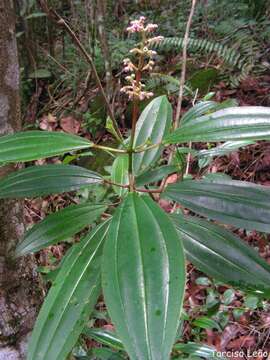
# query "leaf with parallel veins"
(235, 123)
(59, 226)
(70, 300)
(232, 202)
(47, 179)
(35, 144)
(143, 278)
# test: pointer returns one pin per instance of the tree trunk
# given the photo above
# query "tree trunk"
(20, 291)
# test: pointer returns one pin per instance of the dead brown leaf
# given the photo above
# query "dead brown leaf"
(70, 125)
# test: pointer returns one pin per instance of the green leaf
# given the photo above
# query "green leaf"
(206, 156)
(33, 145)
(228, 296)
(40, 74)
(104, 337)
(237, 203)
(105, 354)
(198, 110)
(212, 177)
(224, 149)
(202, 350)
(206, 323)
(109, 338)
(35, 15)
(220, 254)
(70, 300)
(205, 107)
(59, 226)
(203, 281)
(120, 173)
(110, 128)
(154, 175)
(45, 180)
(152, 126)
(143, 278)
(251, 302)
(235, 123)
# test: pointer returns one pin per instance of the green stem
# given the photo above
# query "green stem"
(110, 149)
(135, 113)
(131, 144)
(142, 149)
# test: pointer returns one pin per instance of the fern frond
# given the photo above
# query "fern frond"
(229, 55)
(234, 59)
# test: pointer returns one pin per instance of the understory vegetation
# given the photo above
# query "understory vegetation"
(145, 183)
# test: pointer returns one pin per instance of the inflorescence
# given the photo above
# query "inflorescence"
(135, 89)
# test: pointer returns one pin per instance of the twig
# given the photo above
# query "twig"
(184, 66)
(182, 83)
(52, 14)
(190, 143)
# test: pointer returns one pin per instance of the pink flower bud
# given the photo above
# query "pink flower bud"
(151, 27)
(136, 26)
(156, 39)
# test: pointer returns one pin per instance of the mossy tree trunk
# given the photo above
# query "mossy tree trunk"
(20, 292)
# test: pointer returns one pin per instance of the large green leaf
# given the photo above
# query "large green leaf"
(220, 254)
(235, 123)
(156, 174)
(238, 203)
(59, 226)
(120, 173)
(224, 148)
(143, 278)
(33, 145)
(207, 155)
(104, 337)
(45, 180)
(153, 124)
(205, 107)
(198, 110)
(70, 301)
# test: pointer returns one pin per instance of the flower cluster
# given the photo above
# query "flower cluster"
(145, 57)
(139, 26)
(135, 89)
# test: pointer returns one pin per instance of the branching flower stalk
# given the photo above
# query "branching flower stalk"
(135, 88)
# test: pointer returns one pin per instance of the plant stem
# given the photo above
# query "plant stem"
(142, 149)
(109, 182)
(154, 191)
(135, 114)
(110, 149)
(182, 82)
(184, 66)
(190, 143)
(122, 151)
(52, 14)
